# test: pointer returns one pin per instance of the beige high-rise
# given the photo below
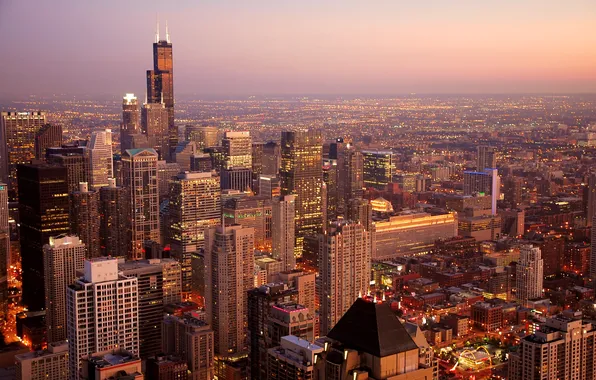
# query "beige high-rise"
(139, 176)
(229, 259)
(344, 262)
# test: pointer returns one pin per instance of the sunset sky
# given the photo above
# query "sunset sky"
(245, 47)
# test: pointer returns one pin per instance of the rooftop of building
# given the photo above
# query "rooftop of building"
(112, 359)
(372, 328)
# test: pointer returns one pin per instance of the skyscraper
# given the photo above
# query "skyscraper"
(115, 220)
(238, 150)
(76, 164)
(486, 182)
(253, 212)
(84, 218)
(43, 212)
(160, 84)
(62, 258)
(563, 349)
(49, 135)
(159, 284)
(282, 230)
(378, 168)
(345, 256)
(130, 121)
(203, 135)
(101, 161)
(192, 339)
(229, 259)
(4, 249)
(17, 132)
(593, 251)
(139, 176)
(154, 122)
(271, 158)
(591, 201)
(195, 206)
(301, 175)
(529, 274)
(113, 320)
(486, 158)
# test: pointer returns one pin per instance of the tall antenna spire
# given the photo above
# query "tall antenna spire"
(157, 32)
(167, 33)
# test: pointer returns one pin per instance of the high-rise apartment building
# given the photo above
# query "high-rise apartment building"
(102, 313)
(301, 175)
(260, 303)
(49, 135)
(63, 257)
(160, 84)
(251, 212)
(529, 274)
(85, 218)
(101, 161)
(159, 284)
(344, 262)
(131, 119)
(193, 340)
(350, 180)
(591, 199)
(195, 206)
(203, 135)
(378, 168)
(139, 176)
(114, 227)
(42, 365)
(293, 359)
(229, 259)
(76, 162)
(4, 249)
(17, 132)
(43, 212)
(563, 348)
(486, 158)
(282, 230)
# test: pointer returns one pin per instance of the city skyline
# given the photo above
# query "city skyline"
(235, 49)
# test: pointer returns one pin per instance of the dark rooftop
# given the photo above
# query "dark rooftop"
(372, 328)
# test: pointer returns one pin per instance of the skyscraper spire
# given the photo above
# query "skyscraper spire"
(157, 32)
(167, 33)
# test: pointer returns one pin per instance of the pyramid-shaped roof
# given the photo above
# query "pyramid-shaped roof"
(372, 328)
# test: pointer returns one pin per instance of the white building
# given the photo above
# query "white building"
(344, 262)
(102, 313)
(282, 230)
(563, 348)
(62, 258)
(293, 359)
(139, 176)
(529, 274)
(43, 365)
(238, 150)
(101, 161)
(229, 259)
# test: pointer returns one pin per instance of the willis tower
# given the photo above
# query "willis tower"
(160, 84)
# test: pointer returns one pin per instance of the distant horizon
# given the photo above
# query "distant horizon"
(232, 48)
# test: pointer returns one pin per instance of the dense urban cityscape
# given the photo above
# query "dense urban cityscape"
(415, 236)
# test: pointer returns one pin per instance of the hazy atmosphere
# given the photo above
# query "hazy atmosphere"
(284, 47)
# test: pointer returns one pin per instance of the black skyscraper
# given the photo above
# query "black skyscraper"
(43, 211)
(160, 84)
